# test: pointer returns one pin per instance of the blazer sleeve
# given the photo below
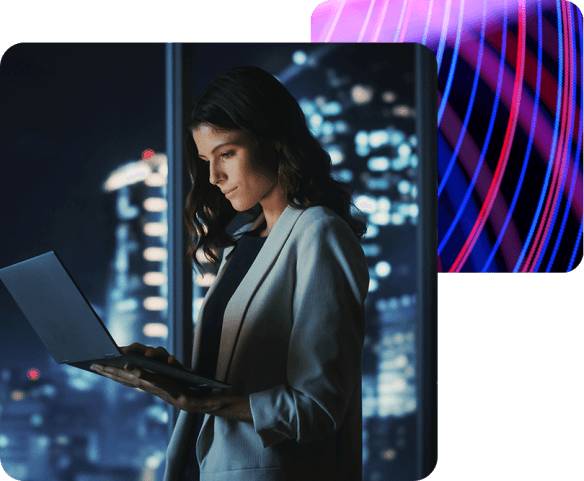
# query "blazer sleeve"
(324, 353)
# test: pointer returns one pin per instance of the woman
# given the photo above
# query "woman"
(283, 322)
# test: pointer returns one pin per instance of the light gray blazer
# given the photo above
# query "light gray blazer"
(292, 338)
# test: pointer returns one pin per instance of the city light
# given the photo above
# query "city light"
(127, 305)
(155, 254)
(380, 218)
(345, 175)
(372, 231)
(388, 97)
(383, 203)
(366, 204)
(403, 111)
(4, 476)
(155, 303)
(382, 269)
(299, 57)
(315, 121)
(155, 179)
(155, 229)
(36, 420)
(397, 218)
(400, 163)
(404, 150)
(389, 454)
(361, 138)
(154, 278)
(17, 395)
(378, 138)
(62, 440)
(361, 94)
(155, 329)
(341, 127)
(148, 154)
(155, 204)
(404, 186)
(328, 128)
(332, 108)
(336, 155)
(33, 374)
(307, 107)
(378, 164)
(128, 174)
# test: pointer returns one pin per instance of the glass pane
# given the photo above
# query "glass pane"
(359, 102)
(84, 174)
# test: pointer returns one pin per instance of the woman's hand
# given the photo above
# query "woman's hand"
(229, 407)
(161, 386)
(158, 353)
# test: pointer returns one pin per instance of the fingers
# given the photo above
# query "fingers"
(173, 360)
(154, 352)
(143, 349)
(135, 347)
(169, 391)
(129, 376)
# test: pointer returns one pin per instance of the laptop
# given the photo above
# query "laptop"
(69, 327)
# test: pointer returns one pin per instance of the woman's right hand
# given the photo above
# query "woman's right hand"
(158, 353)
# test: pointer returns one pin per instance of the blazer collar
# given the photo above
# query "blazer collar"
(236, 308)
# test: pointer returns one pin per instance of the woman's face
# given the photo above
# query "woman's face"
(233, 157)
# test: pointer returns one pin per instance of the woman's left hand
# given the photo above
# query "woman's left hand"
(159, 385)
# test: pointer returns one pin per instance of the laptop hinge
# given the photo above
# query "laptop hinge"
(109, 355)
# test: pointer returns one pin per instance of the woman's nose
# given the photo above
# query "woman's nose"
(214, 174)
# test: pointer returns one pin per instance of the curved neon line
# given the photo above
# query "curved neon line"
(335, 21)
(453, 63)
(443, 34)
(427, 27)
(367, 17)
(380, 22)
(543, 139)
(529, 143)
(406, 21)
(475, 84)
(545, 122)
(552, 150)
(579, 238)
(400, 21)
(571, 101)
(504, 157)
(573, 50)
(470, 188)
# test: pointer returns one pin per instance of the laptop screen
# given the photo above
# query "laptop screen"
(57, 310)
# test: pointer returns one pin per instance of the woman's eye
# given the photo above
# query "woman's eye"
(223, 155)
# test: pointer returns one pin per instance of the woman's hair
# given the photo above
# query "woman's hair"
(252, 100)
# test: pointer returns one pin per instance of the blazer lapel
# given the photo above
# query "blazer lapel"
(237, 306)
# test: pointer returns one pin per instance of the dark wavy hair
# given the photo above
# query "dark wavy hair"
(252, 100)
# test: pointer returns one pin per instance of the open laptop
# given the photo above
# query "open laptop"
(69, 327)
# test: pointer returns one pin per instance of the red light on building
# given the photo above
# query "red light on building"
(33, 374)
(147, 154)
